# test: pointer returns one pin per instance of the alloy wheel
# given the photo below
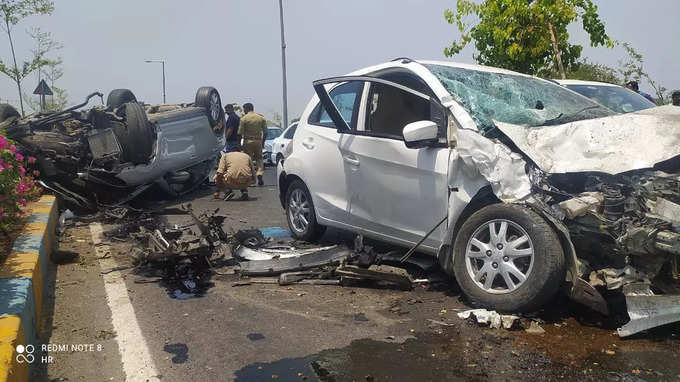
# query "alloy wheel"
(299, 210)
(499, 256)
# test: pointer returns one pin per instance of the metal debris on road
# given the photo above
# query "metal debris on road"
(491, 318)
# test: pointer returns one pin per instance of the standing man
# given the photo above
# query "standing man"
(231, 133)
(253, 127)
(235, 171)
(675, 97)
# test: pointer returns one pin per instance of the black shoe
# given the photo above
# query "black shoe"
(228, 195)
(260, 182)
(244, 196)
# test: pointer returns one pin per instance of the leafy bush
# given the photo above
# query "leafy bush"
(17, 186)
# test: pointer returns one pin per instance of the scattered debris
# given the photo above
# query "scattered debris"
(491, 318)
(534, 328)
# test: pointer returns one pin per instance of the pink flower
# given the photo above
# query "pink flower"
(19, 156)
(31, 159)
(22, 202)
(22, 170)
(13, 149)
(3, 143)
(22, 187)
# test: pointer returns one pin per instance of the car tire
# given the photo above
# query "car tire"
(527, 248)
(118, 97)
(297, 199)
(209, 98)
(138, 138)
(7, 111)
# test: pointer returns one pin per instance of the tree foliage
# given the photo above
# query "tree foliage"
(518, 34)
(50, 69)
(11, 12)
(632, 69)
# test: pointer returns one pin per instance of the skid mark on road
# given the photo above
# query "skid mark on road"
(137, 362)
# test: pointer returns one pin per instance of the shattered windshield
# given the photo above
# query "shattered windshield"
(616, 98)
(515, 99)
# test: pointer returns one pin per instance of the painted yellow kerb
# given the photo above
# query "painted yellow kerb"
(26, 264)
(11, 335)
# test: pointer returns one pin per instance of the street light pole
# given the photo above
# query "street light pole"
(283, 69)
(162, 62)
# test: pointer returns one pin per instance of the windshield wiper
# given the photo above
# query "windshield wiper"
(562, 116)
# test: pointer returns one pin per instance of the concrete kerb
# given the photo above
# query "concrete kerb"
(23, 277)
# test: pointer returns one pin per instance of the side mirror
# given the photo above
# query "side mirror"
(420, 134)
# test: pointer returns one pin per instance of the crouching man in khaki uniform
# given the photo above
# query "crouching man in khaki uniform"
(235, 171)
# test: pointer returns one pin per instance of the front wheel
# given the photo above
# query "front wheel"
(300, 213)
(508, 258)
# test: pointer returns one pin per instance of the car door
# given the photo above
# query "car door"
(324, 171)
(395, 193)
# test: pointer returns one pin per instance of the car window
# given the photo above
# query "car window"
(492, 97)
(273, 133)
(346, 98)
(290, 132)
(617, 98)
(390, 109)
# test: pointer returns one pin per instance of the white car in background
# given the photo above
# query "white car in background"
(280, 143)
(273, 132)
(508, 179)
(615, 97)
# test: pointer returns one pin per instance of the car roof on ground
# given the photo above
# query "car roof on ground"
(581, 82)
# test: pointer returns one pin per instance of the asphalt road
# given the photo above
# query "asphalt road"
(302, 332)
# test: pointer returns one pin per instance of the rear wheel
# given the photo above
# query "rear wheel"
(209, 98)
(508, 258)
(117, 97)
(136, 135)
(300, 213)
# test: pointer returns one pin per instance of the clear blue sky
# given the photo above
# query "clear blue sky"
(234, 45)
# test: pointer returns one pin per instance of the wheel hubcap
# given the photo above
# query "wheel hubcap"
(299, 211)
(499, 256)
(215, 106)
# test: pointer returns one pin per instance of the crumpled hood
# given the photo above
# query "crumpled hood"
(611, 145)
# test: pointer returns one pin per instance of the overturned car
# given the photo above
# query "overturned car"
(518, 185)
(109, 154)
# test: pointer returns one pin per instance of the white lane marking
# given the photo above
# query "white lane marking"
(137, 362)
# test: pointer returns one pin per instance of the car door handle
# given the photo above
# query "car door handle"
(308, 143)
(350, 160)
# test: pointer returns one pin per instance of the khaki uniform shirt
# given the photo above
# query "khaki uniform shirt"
(253, 127)
(236, 168)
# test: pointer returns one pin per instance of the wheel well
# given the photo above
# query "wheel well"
(484, 197)
(285, 181)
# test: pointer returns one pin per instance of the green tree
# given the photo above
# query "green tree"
(525, 35)
(632, 68)
(11, 12)
(49, 69)
(587, 70)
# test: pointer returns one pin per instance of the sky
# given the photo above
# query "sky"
(234, 45)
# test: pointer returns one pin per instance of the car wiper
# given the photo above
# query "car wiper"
(561, 116)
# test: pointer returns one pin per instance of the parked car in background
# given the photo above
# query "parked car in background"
(280, 143)
(273, 132)
(515, 183)
(615, 97)
(110, 154)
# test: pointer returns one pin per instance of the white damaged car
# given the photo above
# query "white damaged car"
(524, 185)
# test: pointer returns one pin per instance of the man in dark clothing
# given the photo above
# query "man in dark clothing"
(675, 97)
(633, 85)
(231, 129)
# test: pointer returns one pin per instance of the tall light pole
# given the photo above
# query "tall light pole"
(163, 65)
(283, 69)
